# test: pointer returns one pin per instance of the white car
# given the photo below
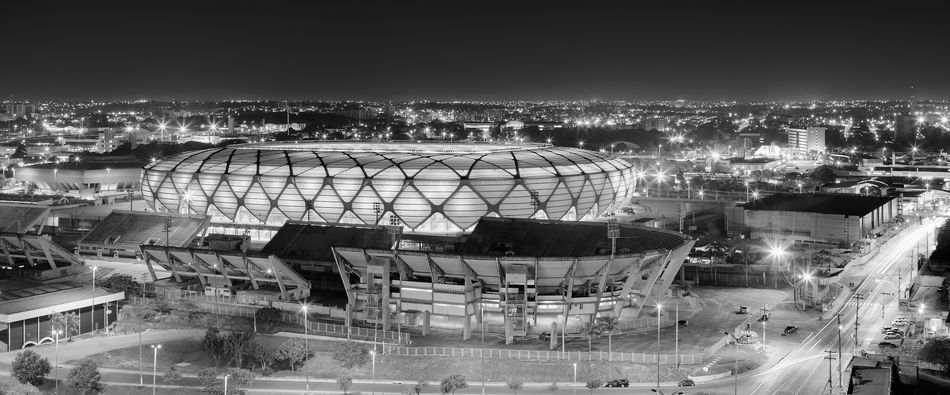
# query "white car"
(893, 336)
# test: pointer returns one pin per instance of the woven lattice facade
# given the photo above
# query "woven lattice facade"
(428, 187)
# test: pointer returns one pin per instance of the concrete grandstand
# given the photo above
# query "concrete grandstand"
(122, 232)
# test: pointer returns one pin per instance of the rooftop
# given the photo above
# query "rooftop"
(23, 299)
(543, 238)
(17, 218)
(133, 228)
(395, 147)
(821, 203)
(312, 241)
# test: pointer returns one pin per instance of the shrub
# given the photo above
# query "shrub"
(30, 368)
(351, 354)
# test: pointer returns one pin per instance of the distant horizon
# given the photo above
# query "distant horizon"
(430, 100)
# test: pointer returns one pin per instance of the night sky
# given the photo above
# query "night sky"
(395, 50)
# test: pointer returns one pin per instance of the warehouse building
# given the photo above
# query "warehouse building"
(815, 217)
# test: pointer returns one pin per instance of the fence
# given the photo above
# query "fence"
(221, 305)
(543, 356)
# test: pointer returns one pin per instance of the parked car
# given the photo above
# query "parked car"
(887, 329)
(618, 383)
(893, 336)
(544, 336)
(790, 330)
(683, 322)
(686, 383)
(743, 310)
(886, 345)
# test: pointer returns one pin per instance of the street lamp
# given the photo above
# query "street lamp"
(226, 384)
(735, 339)
(56, 334)
(92, 310)
(155, 348)
(659, 308)
(575, 379)
(305, 309)
(372, 353)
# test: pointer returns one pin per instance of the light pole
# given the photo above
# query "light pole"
(574, 385)
(155, 348)
(676, 329)
(735, 374)
(372, 353)
(56, 334)
(305, 309)
(763, 335)
(226, 384)
(838, 316)
(659, 308)
(141, 363)
(92, 310)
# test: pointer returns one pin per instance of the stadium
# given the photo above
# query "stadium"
(439, 188)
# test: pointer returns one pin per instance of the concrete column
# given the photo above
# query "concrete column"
(425, 323)
(509, 335)
(554, 343)
(467, 328)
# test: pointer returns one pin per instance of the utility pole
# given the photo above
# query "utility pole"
(830, 384)
(840, 357)
(857, 317)
(613, 233)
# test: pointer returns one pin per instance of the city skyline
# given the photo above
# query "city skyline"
(488, 51)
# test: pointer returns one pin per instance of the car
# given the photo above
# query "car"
(887, 329)
(893, 336)
(618, 383)
(683, 322)
(790, 330)
(743, 310)
(544, 336)
(686, 383)
(765, 317)
(899, 323)
(886, 345)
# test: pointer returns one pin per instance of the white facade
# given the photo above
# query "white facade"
(811, 139)
(438, 188)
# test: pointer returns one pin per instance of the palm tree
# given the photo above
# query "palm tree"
(590, 330)
(609, 324)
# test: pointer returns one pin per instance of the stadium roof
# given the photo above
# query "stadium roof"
(312, 241)
(17, 218)
(821, 203)
(131, 229)
(542, 238)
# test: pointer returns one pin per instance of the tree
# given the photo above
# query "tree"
(86, 378)
(122, 283)
(20, 152)
(594, 383)
(590, 331)
(419, 386)
(239, 345)
(351, 354)
(345, 383)
(936, 350)
(514, 385)
(453, 383)
(609, 324)
(172, 375)
(207, 376)
(30, 368)
(552, 387)
(213, 344)
(9, 385)
(238, 378)
(262, 356)
(823, 173)
(295, 352)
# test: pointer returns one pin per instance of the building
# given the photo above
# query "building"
(27, 308)
(122, 233)
(20, 109)
(748, 165)
(810, 139)
(439, 188)
(516, 270)
(904, 125)
(108, 141)
(812, 217)
(89, 178)
(658, 124)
